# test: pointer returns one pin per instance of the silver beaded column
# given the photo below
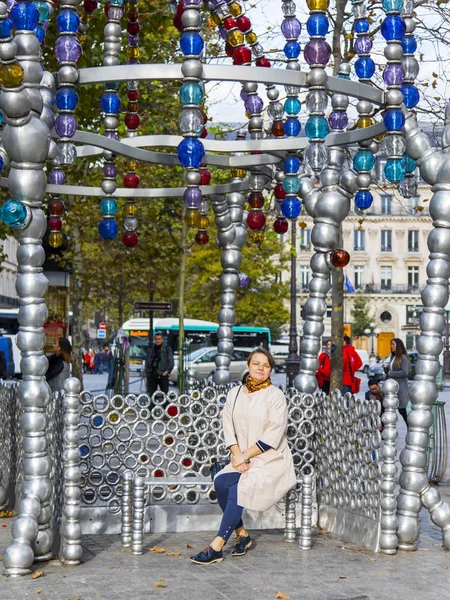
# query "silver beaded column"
(305, 540)
(289, 518)
(389, 524)
(435, 170)
(70, 552)
(137, 534)
(26, 141)
(127, 509)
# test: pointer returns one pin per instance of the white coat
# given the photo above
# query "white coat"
(261, 416)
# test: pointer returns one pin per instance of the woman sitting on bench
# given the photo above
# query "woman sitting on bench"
(261, 470)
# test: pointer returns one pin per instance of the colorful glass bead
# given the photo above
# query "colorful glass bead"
(242, 55)
(5, 28)
(256, 200)
(191, 152)
(243, 23)
(292, 127)
(338, 120)
(291, 164)
(364, 67)
(68, 49)
(316, 127)
(191, 43)
(55, 224)
(291, 185)
(363, 199)
(55, 239)
(409, 44)
(201, 237)
(13, 213)
(110, 103)
(291, 208)
(409, 164)
(243, 280)
(280, 226)
(363, 160)
(317, 25)
(291, 28)
(192, 197)
(55, 206)
(392, 5)
(131, 180)
(411, 95)
(108, 229)
(321, 5)
(191, 93)
(393, 75)
(394, 170)
(108, 206)
(394, 119)
(361, 26)
(11, 75)
(66, 98)
(363, 44)
(24, 16)
(256, 219)
(292, 106)
(130, 209)
(292, 49)
(130, 239)
(393, 28)
(68, 21)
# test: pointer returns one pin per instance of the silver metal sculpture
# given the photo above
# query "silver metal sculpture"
(127, 509)
(305, 540)
(289, 531)
(137, 538)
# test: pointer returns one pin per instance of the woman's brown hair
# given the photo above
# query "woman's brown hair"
(266, 354)
(66, 349)
(400, 350)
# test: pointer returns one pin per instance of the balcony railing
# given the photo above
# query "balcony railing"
(396, 211)
(373, 288)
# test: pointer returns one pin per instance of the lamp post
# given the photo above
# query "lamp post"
(293, 359)
(374, 332)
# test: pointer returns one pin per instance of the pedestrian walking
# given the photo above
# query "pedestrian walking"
(323, 373)
(351, 362)
(261, 470)
(398, 369)
(98, 363)
(108, 363)
(158, 366)
(59, 364)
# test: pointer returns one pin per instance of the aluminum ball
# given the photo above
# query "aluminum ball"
(250, 87)
(222, 361)
(236, 198)
(221, 377)
(34, 394)
(313, 328)
(393, 52)
(28, 143)
(430, 498)
(32, 315)
(340, 101)
(256, 124)
(67, 74)
(292, 66)
(229, 281)
(410, 24)
(192, 68)
(227, 316)
(435, 295)
(311, 346)
(272, 93)
(226, 237)
(18, 555)
(332, 205)
(3, 10)
(364, 107)
(32, 73)
(316, 77)
(329, 177)
(435, 168)
(44, 542)
(308, 364)
(33, 422)
(71, 553)
(411, 458)
(319, 264)
(394, 97)
(30, 184)
(438, 267)
(30, 255)
(111, 61)
(390, 386)
(241, 236)
(363, 180)
(112, 30)
(109, 186)
(306, 384)
(31, 341)
(231, 259)
(429, 368)
(193, 178)
(225, 346)
(30, 505)
(34, 445)
(72, 385)
(191, 17)
(413, 482)
(325, 236)
(430, 345)
(441, 515)
(419, 143)
(225, 332)
(25, 527)
(227, 299)
(319, 286)
(14, 105)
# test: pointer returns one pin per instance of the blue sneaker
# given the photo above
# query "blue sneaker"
(241, 545)
(208, 556)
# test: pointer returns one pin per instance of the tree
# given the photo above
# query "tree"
(361, 316)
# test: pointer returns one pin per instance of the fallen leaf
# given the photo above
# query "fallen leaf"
(161, 578)
(157, 549)
(173, 553)
(37, 574)
(445, 567)
(372, 559)
(342, 576)
(322, 532)
(161, 585)
(77, 598)
(187, 546)
(282, 596)
(39, 591)
(7, 513)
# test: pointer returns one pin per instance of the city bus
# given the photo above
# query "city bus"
(198, 334)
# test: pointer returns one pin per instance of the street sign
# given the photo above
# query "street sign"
(101, 334)
(153, 306)
(102, 325)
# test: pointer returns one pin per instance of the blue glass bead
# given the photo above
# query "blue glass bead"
(191, 43)
(24, 16)
(394, 119)
(1, 164)
(291, 208)
(361, 26)
(317, 25)
(44, 11)
(292, 127)
(39, 32)
(5, 28)
(343, 76)
(66, 98)
(97, 421)
(112, 85)
(108, 229)
(392, 5)
(363, 199)
(291, 185)
(364, 67)
(84, 450)
(68, 21)
(411, 95)
(292, 106)
(110, 103)
(13, 213)
(191, 93)
(191, 152)
(292, 50)
(363, 160)
(291, 164)
(409, 44)
(108, 206)
(409, 164)
(117, 2)
(393, 28)
(316, 127)
(394, 170)
(1, 117)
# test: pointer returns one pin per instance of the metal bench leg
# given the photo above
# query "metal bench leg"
(137, 534)
(289, 528)
(127, 509)
(305, 531)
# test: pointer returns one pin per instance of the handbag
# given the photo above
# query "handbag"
(221, 464)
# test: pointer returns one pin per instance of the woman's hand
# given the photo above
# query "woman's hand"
(236, 461)
(243, 467)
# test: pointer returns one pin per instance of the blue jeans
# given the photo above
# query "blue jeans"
(346, 388)
(226, 490)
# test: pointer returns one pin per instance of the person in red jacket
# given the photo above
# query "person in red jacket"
(324, 371)
(351, 362)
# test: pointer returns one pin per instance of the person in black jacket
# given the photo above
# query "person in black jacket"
(158, 366)
(59, 364)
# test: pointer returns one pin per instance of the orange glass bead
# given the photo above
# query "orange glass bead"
(238, 173)
(55, 239)
(130, 209)
(133, 52)
(257, 237)
(11, 75)
(340, 258)
(321, 5)
(204, 222)
(364, 122)
(201, 237)
(192, 218)
(256, 199)
(278, 128)
(132, 165)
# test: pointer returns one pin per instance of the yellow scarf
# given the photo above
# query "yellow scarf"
(253, 386)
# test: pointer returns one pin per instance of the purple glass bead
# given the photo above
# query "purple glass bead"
(317, 52)
(133, 40)
(65, 125)
(68, 49)
(393, 75)
(244, 95)
(338, 120)
(56, 176)
(109, 170)
(244, 280)
(254, 104)
(112, 135)
(223, 33)
(363, 45)
(291, 28)
(192, 197)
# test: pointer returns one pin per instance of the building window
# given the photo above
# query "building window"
(386, 278)
(386, 204)
(413, 278)
(359, 277)
(359, 240)
(305, 276)
(386, 240)
(305, 239)
(410, 341)
(413, 241)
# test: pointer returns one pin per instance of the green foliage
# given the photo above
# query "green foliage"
(361, 315)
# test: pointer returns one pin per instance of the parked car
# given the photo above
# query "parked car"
(202, 360)
(364, 356)
(377, 370)
(280, 353)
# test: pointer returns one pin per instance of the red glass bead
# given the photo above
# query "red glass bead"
(158, 473)
(256, 219)
(262, 62)
(204, 133)
(180, 9)
(133, 16)
(340, 258)
(132, 107)
(256, 199)
(130, 239)
(242, 55)
(133, 28)
(278, 128)
(132, 121)
(281, 226)
(186, 462)
(201, 237)
(229, 49)
(107, 7)
(172, 411)
(131, 180)
(205, 177)
(280, 192)
(169, 440)
(244, 24)
(55, 207)
(55, 224)
(229, 23)
(177, 23)
(90, 6)
(133, 95)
